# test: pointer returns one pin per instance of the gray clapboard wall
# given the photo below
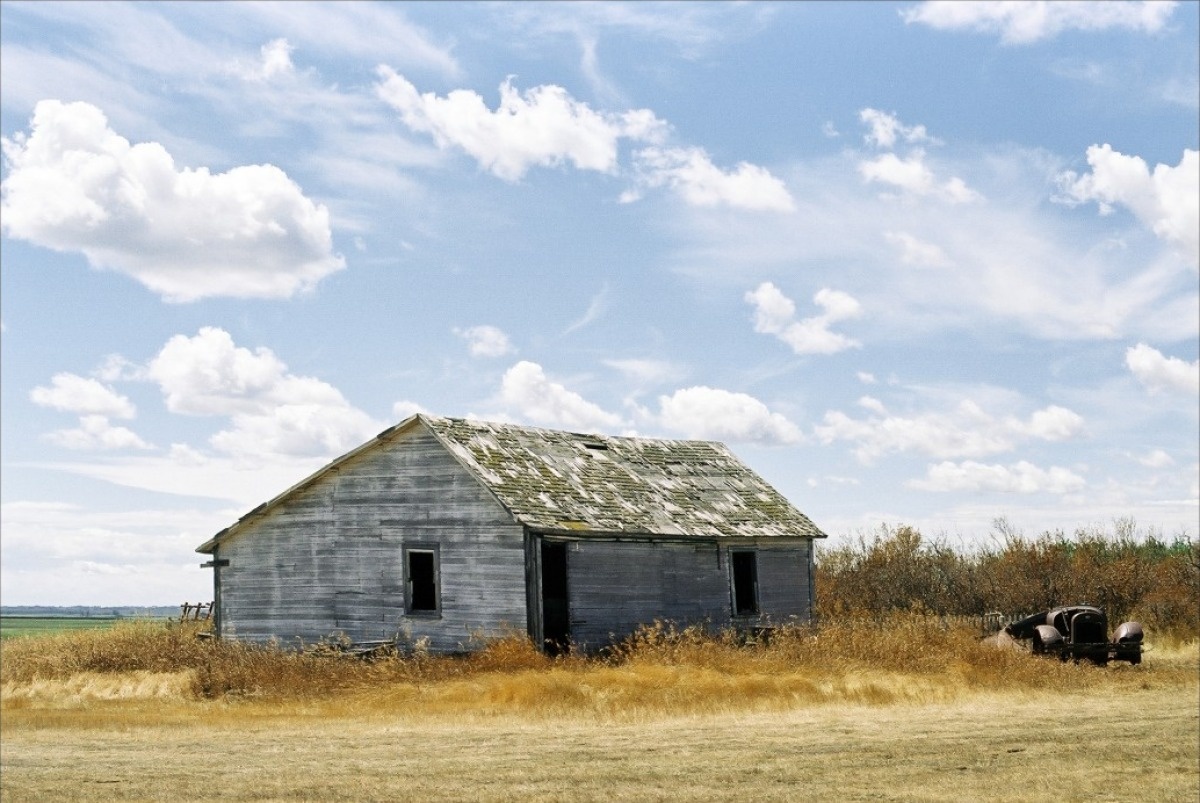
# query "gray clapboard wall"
(328, 560)
(615, 587)
(649, 527)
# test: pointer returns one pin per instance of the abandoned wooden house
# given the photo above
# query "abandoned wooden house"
(444, 530)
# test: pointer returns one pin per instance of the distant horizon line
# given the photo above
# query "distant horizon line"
(177, 605)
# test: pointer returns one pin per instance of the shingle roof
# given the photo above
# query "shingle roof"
(568, 482)
(579, 483)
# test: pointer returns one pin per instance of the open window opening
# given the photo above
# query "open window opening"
(421, 580)
(745, 583)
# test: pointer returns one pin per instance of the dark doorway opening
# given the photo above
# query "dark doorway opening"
(556, 619)
(745, 583)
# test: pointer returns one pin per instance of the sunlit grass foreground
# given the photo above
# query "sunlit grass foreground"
(879, 661)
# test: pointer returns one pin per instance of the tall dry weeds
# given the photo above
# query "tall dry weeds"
(866, 659)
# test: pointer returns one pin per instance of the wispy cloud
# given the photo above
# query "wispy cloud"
(1022, 478)
(646, 371)
(967, 430)
(595, 310)
(1023, 23)
(1016, 262)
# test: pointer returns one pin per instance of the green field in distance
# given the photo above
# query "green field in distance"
(16, 626)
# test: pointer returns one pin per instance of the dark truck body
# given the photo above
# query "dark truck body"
(1079, 632)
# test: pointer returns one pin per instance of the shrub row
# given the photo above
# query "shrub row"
(1131, 574)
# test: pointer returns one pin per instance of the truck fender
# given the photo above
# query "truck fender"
(1128, 632)
(1046, 637)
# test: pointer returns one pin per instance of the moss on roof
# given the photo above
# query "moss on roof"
(569, 482)
(574, 482)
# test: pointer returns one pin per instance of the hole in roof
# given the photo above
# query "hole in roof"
(599, 447)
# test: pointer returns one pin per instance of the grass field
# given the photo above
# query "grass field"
(672, 718)
(16, 626)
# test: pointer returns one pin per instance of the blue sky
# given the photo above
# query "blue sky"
(923, 263)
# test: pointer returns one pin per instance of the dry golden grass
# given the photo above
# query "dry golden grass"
(904, 710)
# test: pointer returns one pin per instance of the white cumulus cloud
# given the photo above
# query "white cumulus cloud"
(913, 176)
(1159, 372)
(273, 412)
(1033, 20)
(534, 397)
(485, 341)
(1166, 200)
(76, 185)
(78, 394)
(774, 314)
(543, 126)
(546, 127)
(209, 375)
(1052, 423)
(910, 173)
(714, 414)
(1019, 478)
(692, 174)
(886, 128)
(275, 59)
(96, 432)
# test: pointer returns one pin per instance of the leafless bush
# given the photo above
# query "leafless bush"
(1131, 575)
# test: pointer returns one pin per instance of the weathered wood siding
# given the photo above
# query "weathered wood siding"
(329, 559)
(783, 582)
(614, 587)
